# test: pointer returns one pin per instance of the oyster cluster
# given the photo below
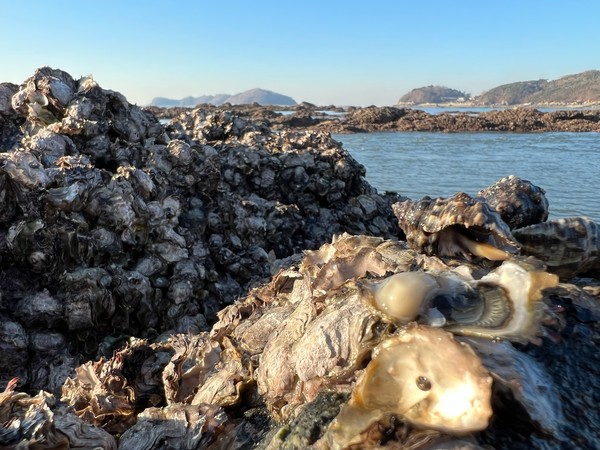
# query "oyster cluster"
(504, 219)
(112, 225)
(215, 284)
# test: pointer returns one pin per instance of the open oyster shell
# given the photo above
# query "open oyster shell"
(423, 375)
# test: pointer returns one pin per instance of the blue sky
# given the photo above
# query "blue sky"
(325, 52)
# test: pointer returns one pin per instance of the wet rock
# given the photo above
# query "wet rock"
(372, 118)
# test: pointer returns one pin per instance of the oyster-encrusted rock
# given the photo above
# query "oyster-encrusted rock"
(568, 246)
(305, 335)
(519, 202)
(113, 226)
(132, 228)
(456, 226)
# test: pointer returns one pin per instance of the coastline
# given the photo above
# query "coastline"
(394, 118)
(462, 105)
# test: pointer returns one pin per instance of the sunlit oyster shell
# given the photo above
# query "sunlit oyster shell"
(519, 202)
(568, 246)
(457, 226)
(506, 303)
(424, 376)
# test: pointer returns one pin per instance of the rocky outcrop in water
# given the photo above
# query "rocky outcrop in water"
(387, 118)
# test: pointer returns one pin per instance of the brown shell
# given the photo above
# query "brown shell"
(568, 246)
(39, 422)
(422, 220)
(519, 202)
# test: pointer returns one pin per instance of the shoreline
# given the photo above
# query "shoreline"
(592, 105)
(393, 118)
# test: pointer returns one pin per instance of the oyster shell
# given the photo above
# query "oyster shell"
(457, 226)
(513, 306)
(424, 376)
(568, 246)
(519, 202)
(505, 303)
(520, 377)
(36, 422)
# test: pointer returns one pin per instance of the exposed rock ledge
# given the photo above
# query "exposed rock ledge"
(372, 118)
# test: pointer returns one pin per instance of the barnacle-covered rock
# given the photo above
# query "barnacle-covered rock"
(568, 246)
(457, 226)
(519, 202)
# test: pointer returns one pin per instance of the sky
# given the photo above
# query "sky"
(347, 52)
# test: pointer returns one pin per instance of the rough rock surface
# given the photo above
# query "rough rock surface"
(113, 226)
(373, 118)
(122, 240)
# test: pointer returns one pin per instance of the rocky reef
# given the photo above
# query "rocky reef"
(388, 118)
(113, 225)
(226, 281)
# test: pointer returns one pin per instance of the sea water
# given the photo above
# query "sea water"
(415, 164)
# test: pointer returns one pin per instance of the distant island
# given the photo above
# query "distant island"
(579, 89)
(433, 94)
(260, 96)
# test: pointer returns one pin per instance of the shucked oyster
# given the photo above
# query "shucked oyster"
(568, 246)
(506, 303)
(457, 226)
(424, 376)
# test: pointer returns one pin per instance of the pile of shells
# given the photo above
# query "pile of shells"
(113, 226)
(122, 241)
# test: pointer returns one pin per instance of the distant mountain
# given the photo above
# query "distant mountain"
(433, 94)
(260, 96)
(583, 87)
(511, 94)
(189, 101)
(580, 88)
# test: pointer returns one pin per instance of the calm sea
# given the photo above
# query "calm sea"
(415, 164)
